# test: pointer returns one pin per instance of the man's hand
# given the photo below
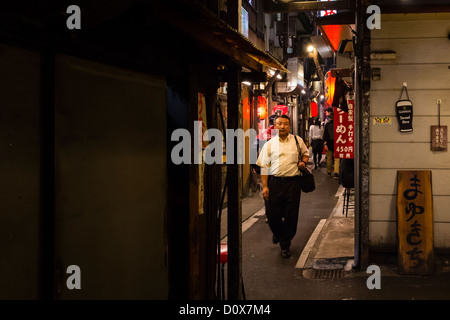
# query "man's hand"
(265, 193)
(301, 165)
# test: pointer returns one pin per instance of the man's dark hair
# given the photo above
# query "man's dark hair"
(284, 117)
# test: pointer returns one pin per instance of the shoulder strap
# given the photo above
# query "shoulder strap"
(296, 141)
(298, 146)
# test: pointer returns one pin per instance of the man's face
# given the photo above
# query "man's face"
(283, 126)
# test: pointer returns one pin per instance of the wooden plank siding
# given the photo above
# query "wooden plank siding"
(423, 61)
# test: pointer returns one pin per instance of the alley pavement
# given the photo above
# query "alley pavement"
(322, 262)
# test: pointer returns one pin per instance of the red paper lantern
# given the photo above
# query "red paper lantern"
(281, 107)
(330, 83)
(262, 107)
(314, 112)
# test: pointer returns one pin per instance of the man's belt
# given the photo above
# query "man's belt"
(285, 177)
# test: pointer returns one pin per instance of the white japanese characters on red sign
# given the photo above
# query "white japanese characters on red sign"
(344, 143)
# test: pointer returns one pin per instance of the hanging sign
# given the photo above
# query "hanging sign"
(404, 111)
(344, 132)
(415, 222)
(439, 134)
(438, 138)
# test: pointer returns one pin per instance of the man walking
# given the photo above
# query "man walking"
(279, 159)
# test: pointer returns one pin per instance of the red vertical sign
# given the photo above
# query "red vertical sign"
(344, 144)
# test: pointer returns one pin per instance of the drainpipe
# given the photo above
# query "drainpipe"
(359, 22)
(234, 204)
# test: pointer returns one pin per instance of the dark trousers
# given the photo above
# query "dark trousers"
(317, 148)
(282, 208)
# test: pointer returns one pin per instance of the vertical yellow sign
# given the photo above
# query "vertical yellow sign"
(415, 222)
(201, 108)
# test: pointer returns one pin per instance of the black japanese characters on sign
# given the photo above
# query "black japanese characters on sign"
(413, 237)
(415, 222)
(438, 138)
(438, 133)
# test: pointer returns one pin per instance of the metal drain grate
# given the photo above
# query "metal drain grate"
(328, 274)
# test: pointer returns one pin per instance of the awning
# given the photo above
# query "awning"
(238, 42)
(334, 34)
(337, 27)
(197, 21)
(322, 46)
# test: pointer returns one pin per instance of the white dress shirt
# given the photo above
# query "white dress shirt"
(315, 133)
(280, 157)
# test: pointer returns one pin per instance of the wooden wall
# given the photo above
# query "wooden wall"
(423, 59)
(20, 162)
(110, 181)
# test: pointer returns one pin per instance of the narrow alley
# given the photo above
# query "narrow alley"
(324, 238)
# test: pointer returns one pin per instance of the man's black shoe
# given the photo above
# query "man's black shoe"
(285, 253)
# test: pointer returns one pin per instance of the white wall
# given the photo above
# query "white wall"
(423, 48)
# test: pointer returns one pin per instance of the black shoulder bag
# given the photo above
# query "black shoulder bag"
(307, 178)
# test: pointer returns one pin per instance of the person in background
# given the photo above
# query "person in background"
(316, 141)
(328, 112)
(328, 137)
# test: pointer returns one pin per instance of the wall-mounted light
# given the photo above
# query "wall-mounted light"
(279, 76)
(247, 83)
(384, 55)
(376, 74)
(310, 48)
